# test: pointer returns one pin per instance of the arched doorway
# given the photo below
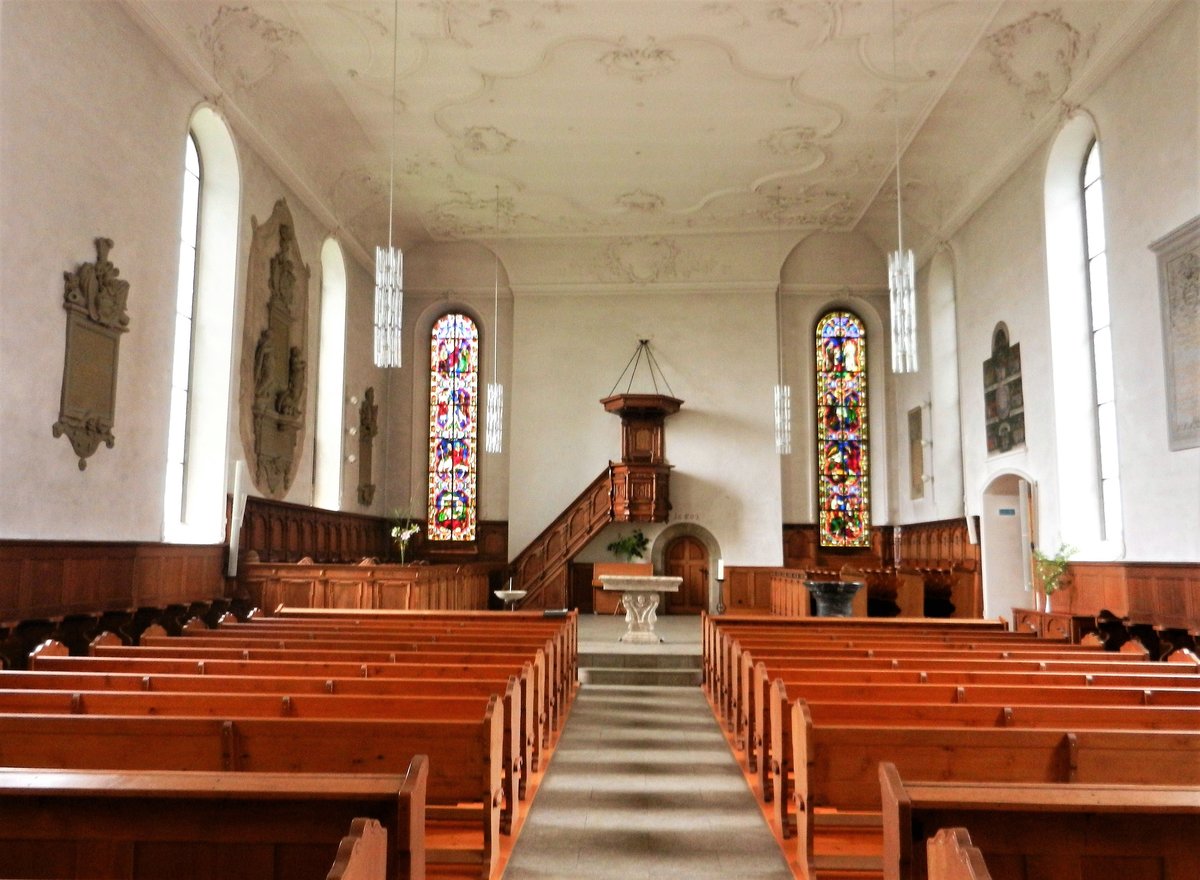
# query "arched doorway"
(1005, 528)
(687, 557)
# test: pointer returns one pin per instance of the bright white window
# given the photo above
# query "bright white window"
(330, 378)
(1105, 398)
(195, 479)
(181, 367)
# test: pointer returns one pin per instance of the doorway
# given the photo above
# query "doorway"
(1005, 529)
(686, 557)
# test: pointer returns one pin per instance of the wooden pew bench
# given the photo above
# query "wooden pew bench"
(464, 792)
(259, 705)
(949, 715)
(147, 825)
(1045, 830)
(518, 712)
(835, 766)
(382, 649)
(329, 664)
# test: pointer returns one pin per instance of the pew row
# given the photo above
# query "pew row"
(518, 712)
(464, 788)
(835, 766)
(1045, 830)
(147, 825)
(263, 705)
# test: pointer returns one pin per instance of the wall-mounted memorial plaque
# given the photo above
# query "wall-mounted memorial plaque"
(1179, 289)
(274, 368)
(95, 300)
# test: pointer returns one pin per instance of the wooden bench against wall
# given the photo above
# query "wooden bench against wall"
(1086, 831)
(148, 825)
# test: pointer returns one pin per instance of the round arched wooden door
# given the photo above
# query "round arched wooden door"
(687, 558)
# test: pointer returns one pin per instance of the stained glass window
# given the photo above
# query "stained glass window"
(453, 426)
(843, 499)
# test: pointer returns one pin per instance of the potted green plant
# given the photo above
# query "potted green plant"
(626, 547)
(1052, 570)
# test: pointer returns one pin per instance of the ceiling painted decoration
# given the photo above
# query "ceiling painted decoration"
(638, 119)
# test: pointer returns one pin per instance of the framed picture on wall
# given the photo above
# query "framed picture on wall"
(1003, 395)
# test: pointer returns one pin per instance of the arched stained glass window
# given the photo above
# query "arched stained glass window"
(453, 427)
(843, 499)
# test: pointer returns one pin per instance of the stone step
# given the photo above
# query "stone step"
(640, 660)
(628, 675)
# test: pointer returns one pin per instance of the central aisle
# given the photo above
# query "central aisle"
(643, 785)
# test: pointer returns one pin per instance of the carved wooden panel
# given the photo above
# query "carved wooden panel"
(55, 578)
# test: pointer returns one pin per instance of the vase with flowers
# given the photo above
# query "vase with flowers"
(403, 531)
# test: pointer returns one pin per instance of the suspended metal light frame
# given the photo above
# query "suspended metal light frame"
(389, 261)
(902, 285)
(493, 436)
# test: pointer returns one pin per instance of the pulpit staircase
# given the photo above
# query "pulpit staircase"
(543, 568)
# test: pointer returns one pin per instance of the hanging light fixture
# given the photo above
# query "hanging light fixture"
(783, 391)
(389, 261)
(494, 423)
(901, 265)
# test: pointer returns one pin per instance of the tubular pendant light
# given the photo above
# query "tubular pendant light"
(901, 265)
(493, 437)
(389, 261)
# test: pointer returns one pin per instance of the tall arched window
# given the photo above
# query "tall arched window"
(1089, 492)
(1101, 348)
(195, 484)
(843, 497)
(327, 489)
(453, 428)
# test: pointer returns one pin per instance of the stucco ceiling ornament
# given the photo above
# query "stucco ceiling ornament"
(640, 200)
(812, 206)
(643, 260)
(1038, 56)
(486, 140)
(639, 62)
(243, 46)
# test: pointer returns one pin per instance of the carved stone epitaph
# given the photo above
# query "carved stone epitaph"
(368, 427)
(95, 300)
(274, 368)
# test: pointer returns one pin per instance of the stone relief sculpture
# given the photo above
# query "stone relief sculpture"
(1179, 289)
(368, 427)
(274, 367)
(95, 300)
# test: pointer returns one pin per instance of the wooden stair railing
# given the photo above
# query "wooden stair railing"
(543, 568)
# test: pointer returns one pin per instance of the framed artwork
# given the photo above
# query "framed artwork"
(1003, 397)
(916, 454)
(1179, 289)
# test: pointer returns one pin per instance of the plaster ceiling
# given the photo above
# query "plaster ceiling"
(630, 118)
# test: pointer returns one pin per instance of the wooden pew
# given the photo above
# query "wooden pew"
(330, 664)
(464, 782)
(836, 765)
(260, 705)
(1045, 830)
(518, 712)
(386, 648)
(952, 856)
(147, 825)
(362, 854)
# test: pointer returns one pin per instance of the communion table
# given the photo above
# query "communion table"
(640, 596)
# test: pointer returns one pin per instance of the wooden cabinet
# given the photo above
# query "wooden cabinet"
(1053, 624)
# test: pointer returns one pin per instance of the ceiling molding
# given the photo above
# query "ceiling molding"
(263, 144)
